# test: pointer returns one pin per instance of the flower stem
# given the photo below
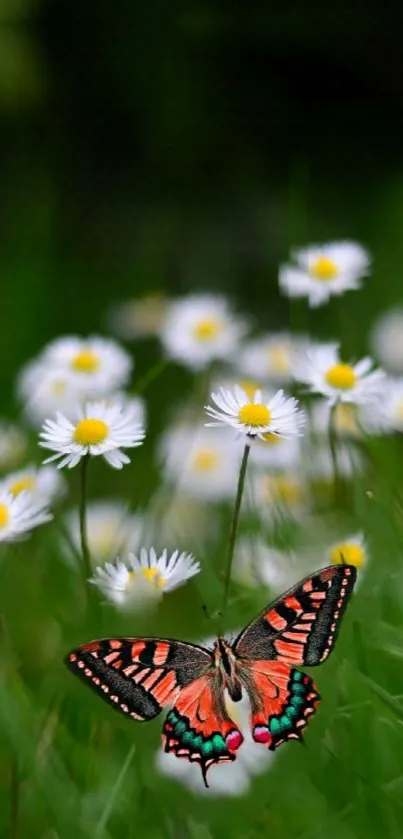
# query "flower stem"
(151, 375)
(234, 528)
(333, 452)
(83, 517)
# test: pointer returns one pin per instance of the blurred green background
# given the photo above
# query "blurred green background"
(179, 146)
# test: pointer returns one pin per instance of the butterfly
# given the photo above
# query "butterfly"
(140, 676)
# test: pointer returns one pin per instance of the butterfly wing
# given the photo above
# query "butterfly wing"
(282, 700)
(198, 727)
(301, 627)
(138, 676)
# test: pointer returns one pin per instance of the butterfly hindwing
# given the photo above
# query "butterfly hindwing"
(300, 627)
(138, 676)
(282, 701)
(198, 727)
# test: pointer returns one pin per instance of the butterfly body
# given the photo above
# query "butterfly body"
(140, 676)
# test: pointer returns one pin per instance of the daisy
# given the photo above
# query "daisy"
(101, 429)
(387, 341)
(319, 466)
(199, 328)
(323, 270)
(279, 494)
(97, 364)
(271, 357)
(274, 452)
(144, 578)
(13, 445)
(351, 551)
(349, 420)
(324, 372)
(111, 530)
(20, 514)
(250, 416)
(199, 462)
(138, 318)
(44, 483)
(227, 779)
(256, 565)
(44, 390)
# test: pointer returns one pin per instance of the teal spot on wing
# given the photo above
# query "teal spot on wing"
(297, 676)
(274, 725)
(219, 743)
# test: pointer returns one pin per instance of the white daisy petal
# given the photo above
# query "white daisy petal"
(143, 579)
(103, 429)
(324, 372)
(19, 514)
(324, 270)
(199, 328)
(255, 418)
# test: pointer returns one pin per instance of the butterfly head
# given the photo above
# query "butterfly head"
(226, 664)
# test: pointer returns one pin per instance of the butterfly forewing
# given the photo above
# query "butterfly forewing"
(139, 676)
(300, 627)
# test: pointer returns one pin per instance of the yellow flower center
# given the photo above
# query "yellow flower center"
(279, 359)
(205, 460)
(351, 554)
(341, 376)
(29, 482)
(271, 439)
(254, 415)
(207, 329)
(151, 575)
(85, 361)
(4, 516)
(89, 432)
(323, 269)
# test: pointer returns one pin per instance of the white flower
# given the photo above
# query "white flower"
(200, 328)
(352, 550)
(101, 429)
(138, 318)
(323, 270)
(257, 564)
(249, 415)
(387, 340)
(20, 514)
(349, 420)
(278, 495)
(144, 578)
(99, 365)
(111, 530)
(224, 779)
(271, 357)
(274, 452)
(13, 445)
(45, 390)
(44, 484)
(199, 462)
(389, 413)
(324, 372)
(319, 464)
